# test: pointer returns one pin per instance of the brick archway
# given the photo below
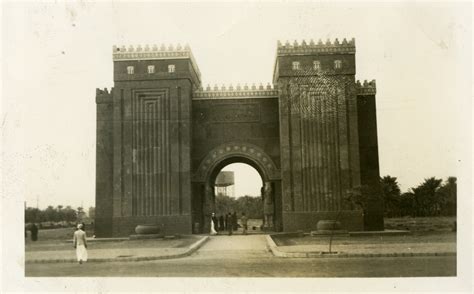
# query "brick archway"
(227, 153)
(261, 161)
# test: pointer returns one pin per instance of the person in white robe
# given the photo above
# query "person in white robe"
(80, 244)
(213, 227)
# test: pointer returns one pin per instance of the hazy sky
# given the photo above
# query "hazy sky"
(55, 55)
(247, 181)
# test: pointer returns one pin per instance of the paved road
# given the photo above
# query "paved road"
(247, 256)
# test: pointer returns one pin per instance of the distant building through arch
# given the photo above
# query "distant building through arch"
(225, 184)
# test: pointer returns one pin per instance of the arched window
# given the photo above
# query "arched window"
(171, 68)
(317, 65)
(130, 70)
(151, 69)
(296, 65)
(337, 64)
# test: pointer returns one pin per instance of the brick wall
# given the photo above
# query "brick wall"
(369, 158)
(217, 121)
(104, 165)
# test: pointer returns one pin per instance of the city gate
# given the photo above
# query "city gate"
(162, 138)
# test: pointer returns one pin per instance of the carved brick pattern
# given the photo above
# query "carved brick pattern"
(366, 88)
(151, 173)
(154, 52)
(201, 94)
(319, 47)
(320, 153)
(249, 112)
(231, 149)
(321, 111)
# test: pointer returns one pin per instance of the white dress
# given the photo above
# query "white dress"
(80, 242)
(81, 253)
(213, 230)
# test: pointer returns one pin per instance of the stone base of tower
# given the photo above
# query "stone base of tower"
(351, 220)
(125, 226)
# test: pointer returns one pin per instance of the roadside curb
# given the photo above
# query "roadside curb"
(276, 252)
(191, 249)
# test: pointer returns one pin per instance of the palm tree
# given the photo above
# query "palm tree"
(428, 200)
(80, 213)
(391, 194)
(449, 194)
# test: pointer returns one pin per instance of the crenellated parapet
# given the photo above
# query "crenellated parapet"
(103, 95)
(238, 91)
(366, 88)
(151, 52)
(312, 47)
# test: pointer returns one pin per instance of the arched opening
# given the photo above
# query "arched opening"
(253, 193)
(238, 199)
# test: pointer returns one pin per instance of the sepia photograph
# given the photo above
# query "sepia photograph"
(231, 146)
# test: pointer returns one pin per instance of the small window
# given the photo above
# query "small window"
(151, 69)
(337, 64)
(171, 68)
(296, 65)
(130, 70)
(316, 65)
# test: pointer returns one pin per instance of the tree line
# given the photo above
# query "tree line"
(252, 206)
(432, 197)
(55, 214)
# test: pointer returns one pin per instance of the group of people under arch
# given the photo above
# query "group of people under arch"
(228, 223)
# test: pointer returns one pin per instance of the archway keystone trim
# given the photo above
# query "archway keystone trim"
(236, 149)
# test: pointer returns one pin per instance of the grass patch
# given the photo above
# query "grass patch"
(420, 224)
(50, 245)
(423, 230)
(59, 234)
(417, 237)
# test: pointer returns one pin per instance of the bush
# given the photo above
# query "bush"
(252, 206)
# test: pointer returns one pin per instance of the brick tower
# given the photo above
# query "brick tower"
(143, 141)
(319, 133)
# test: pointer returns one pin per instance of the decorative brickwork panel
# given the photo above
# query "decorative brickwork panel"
(320, 148)
(236, 113)
(218, 121)
(237, 149)
(151, 152)
(315, 123)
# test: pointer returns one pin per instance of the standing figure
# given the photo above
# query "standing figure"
(215, 220)
(221, 223)
(229, 225)
(208, 207)
(213, 224)
(234, 221)
(243, 221)
(34, 232)
(226, 222)
(80, 244)
(268, 206)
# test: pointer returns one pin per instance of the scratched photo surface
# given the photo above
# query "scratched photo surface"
(224, 143)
